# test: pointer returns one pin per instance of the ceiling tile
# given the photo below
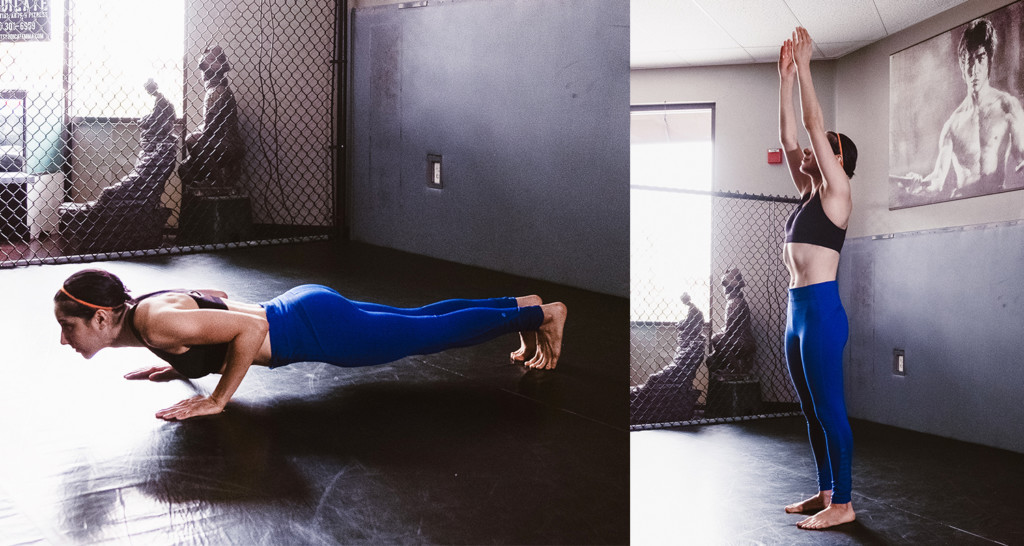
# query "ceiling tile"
(704, 57)
(658, 59)
(900, 14)
(764, 54)
(666, 33)
(719, 56)
(660, 25)
(838, 49)
(752, 23)
(839, 20)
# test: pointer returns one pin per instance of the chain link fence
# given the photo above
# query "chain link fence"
(708, 305)
(139, 127)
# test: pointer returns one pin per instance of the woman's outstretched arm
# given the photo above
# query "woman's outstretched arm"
(787, 119)
(835, 191)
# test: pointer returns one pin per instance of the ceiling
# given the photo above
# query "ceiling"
(679, 33)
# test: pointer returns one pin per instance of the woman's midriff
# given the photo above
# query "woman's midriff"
(263, 357)
(809, 264)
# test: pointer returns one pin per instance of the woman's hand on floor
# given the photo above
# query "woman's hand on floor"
(155, 373)
(196, 406)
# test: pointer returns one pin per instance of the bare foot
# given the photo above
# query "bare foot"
(812, 505)
(527, 340)
(835, 514)
(549, 337)
(527, 347)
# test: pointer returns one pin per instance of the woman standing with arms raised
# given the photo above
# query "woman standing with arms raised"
(817, 327)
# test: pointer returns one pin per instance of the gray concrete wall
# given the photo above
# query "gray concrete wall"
(527, 103)
(952, 300)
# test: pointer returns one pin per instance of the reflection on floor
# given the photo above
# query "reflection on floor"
(461, 447)
(727, 484)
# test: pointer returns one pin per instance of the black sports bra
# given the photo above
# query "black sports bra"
(809, 224)
(198, 360)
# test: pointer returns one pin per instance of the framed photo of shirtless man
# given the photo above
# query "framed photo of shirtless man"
(956, 126)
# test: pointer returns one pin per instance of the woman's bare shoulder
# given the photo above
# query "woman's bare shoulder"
(166, 300)
(152, 309)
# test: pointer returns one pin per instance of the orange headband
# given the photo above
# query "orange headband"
(840, 147)
(85, 303)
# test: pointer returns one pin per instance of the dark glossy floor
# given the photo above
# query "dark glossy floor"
(727, 484)
(457, 448)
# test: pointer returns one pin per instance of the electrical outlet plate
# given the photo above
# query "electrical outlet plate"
(899, 363)
(434, 178)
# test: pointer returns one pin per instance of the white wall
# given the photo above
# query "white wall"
(746, 116)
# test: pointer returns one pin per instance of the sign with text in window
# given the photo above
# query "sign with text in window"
(24, 20)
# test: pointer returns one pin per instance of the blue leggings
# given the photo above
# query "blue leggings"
(816, 333)
(313, 323)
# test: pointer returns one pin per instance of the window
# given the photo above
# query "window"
(671, 159)
(12, 131)
(114, 46)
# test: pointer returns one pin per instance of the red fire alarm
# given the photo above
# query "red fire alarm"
(774, 156)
